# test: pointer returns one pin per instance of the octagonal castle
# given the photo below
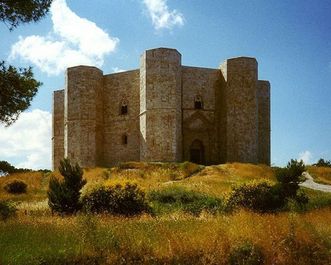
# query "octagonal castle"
(163, 111)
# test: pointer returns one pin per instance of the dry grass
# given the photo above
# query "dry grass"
(284, 238)
(321, 174)
(37, 237)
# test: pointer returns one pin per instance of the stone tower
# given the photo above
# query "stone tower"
(83, 115)
(160, 105)
(163, 111)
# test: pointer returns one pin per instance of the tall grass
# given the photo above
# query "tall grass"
(321, 174)
(284, 238)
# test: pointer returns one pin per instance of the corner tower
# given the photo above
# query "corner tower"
(83, 115)
(160, 105)
(241, 109)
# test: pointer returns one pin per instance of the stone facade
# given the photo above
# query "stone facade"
(163, 111)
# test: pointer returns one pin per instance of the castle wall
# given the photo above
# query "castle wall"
(84, 115)
(58, 128)
(241, 109)
(263, 93)
(162, 121)
(160, 105)
(121, 88)
(199, 124)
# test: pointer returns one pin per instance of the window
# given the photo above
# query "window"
(198, 102)
(124, 139)
(124, 108)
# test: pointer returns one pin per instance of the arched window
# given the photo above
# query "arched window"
(124, 139)
(198, 104)
(124, 108)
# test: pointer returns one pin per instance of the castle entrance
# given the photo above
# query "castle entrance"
(197, 152)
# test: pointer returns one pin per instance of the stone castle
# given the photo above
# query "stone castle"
(163, 111)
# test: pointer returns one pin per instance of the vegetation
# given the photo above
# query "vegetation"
(323, 163)
(18, 86)
(63, 195)
(184, 226)
(180, 199)
(320, 174)
(16, 187)
(7, 210)
(127, 199)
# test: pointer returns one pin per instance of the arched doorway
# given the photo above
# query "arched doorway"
(197, 152)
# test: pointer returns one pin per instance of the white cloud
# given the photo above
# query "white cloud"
(73, 41)
(28, 139)
(118, 70)
(161, 16)
(306, 157)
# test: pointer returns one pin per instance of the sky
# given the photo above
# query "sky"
(291, 41)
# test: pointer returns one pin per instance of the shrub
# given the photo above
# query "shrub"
(323, 163)
(289, 179)
(16, 187)
(177, 198)
(127, 199)
(63, 195)
(7, 210)
(246, 254)
(256, 196)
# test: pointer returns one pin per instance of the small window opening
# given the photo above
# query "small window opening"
(198, 102)
(124, 139)
(124, 108)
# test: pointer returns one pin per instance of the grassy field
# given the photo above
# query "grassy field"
(320, 174)
(34, 236)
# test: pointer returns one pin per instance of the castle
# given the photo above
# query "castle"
(163, 111)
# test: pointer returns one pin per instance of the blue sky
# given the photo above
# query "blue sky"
(290, 39)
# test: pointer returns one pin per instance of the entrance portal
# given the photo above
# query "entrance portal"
(197, 152)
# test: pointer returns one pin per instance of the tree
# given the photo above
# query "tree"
(63, 195)
(16, 12)
(18, 86)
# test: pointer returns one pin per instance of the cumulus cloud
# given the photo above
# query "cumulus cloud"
(306, 157)
(161, 16)
(28, 139)
(73, 41)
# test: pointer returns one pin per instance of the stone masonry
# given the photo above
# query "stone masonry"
(163, 111)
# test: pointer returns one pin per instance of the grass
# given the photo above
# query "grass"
(320, 174)
(174, 237)
(284, 238)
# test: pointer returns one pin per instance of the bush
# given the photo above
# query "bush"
(177, 198)
(246, 254)
(63, 196)
(289, 179)
(7, 210)
(323, 163)
(256, 196)
(127, 199)
(16, 187)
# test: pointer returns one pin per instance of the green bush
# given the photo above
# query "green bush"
(178, 198)
(16, 187)
(127, 199)
(246, 254)
(256, 196)
(63, 195)
(7, 210)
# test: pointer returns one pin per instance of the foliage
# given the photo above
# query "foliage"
(16, 187)
(290, 177)
(127, 199)
(246, 254)
(63, 195)
(18, 87)
(6, 167)
(323, 163)
(7, 210)
(257, 196)
(179, 198)
(17, 12)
